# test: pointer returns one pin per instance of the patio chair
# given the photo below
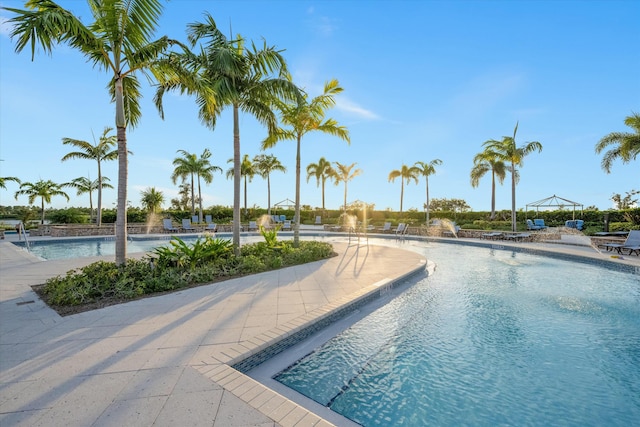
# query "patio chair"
(401, 229)
(386, 228)
(211, 226)
(168, 226)
(186, 225)
(195, 219)
(633, 242)
(539, 223)
(208, 219)
(318, 220)
(286, 225)
(253, 226)
(532, 226)
(633, 239)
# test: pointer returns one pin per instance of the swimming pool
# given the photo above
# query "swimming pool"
(87, 247)
(494, 337)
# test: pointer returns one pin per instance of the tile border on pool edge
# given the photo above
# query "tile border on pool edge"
(229, 365)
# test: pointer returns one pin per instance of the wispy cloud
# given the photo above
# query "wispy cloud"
(321, 24)
(485, 91)
(350, 107)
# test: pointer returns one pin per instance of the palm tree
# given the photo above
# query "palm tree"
(118, 42)
(225, 73)
(484, 162)
(7, 178)
(151, 199)
(426, 169)
(626, 146)
(507, 151)
(405, 173)
(190, 166)
(342, 173)
(43, 189)
(102, 151)
(86, 185)
(304, 116)
(264, 165)
(321, 171)
(247, 172)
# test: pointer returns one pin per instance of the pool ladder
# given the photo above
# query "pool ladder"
(22, 230)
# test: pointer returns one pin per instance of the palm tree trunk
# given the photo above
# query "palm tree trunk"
(513, 197)
(493, 196)
(99, 212)
(199, 200)
(121, 214)
(42, 210)
(236, 180)
(427, 180)
(296, 223)
(245, 196)
(193, 196)
(90, 205)
(323, 181)
(401, 193)
(344, 207)
(268, 195)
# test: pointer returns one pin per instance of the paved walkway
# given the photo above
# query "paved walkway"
(165, 361)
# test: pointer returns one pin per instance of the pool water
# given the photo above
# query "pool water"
(491, 338)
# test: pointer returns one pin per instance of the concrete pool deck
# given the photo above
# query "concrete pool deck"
(166, 360)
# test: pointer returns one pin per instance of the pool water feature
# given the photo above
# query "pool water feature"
(492, 338)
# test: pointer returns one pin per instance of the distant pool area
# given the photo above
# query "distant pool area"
(95, 246)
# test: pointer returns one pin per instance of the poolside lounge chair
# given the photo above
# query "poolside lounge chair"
(208, 219)
(318, 220)
(494, 235)
(195, 219)
(211, 226)
(286, 225)
(532, 226)
(168, 226)
(401, 229)
(633, 242)
(186, 225)
(253, 226)
(539, 223)
(385, 228)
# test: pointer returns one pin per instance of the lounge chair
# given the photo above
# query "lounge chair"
(579, 224)
(318, 220)
(195, 219)
(286, 225)
(186, 225)
(632, 244)
(168, 226)
(539, 223)
(211, 226)
(253, 226)
(532, 226)
(494, 235)
(208, 219)
(386, 228)
(401, 229)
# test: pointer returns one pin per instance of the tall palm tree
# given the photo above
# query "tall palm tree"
(43, 189)
(86, 185)
(118, 41)
(197, 169)
(8, 178)
(302, 117)
(226, 73)
(509, 152)
(427, 169)
(343, 173)
(626, 145)
(405, 173)
(102, 151)
(321, 171)
(151, 199)
(264, 165)
(247, 172)
(488, 161)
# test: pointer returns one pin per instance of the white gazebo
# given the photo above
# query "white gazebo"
(555, 202)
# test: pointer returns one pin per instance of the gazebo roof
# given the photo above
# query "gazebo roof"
(554, 201)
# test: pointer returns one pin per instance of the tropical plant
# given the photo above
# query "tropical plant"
(183, 200)
(197, 169)
(625, 202)
(45, 190)
(427, 169)
(102, 151)
(265, 164)
(343, 173)
(118, 41)
(8, 178)
(151, 199)
(302, 117)
(405, 173)
(270, 234)
(625, 145)
(247, 172)
(181, 254)
(509, 152)
(226, 73)
(488, 161)
(86, 185)
(321, 171)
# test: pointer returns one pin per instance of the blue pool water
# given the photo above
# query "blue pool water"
(79, 248)
(491, 338)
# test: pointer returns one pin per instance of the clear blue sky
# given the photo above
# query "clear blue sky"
(422, 80)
